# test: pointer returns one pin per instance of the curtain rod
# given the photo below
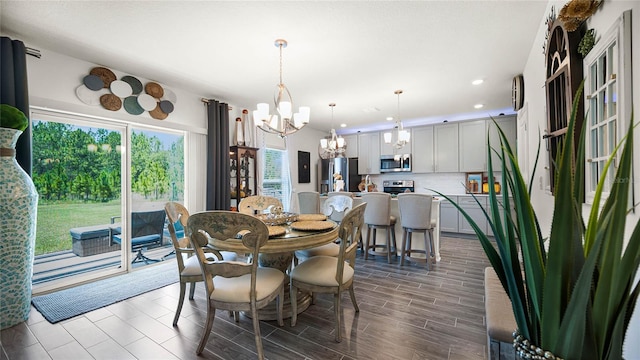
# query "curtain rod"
(206, 101)
(33, 52)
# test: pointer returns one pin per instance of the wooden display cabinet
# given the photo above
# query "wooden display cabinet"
(244, 168)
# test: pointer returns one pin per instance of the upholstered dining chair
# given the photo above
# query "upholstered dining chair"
(257, 204)
(329, 274)
(234, 285)
(335, 208)
(309, 202)
(415, 216)
(188, 266)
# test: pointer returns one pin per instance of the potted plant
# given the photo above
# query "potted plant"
(18, 207)
(572, 294)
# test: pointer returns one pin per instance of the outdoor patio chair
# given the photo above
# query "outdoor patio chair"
(146, 231)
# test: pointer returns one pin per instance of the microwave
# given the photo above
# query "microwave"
(395, 163)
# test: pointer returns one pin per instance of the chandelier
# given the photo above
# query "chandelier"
(286, 122)
(402, 137)
(334, 146)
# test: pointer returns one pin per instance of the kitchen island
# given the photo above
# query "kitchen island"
(417, 243)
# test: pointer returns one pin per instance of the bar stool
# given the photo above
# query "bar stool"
(309, 202)
(377, 215)
(415, 216)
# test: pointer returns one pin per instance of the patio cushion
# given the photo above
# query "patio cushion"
(140, 240)
(89, 232)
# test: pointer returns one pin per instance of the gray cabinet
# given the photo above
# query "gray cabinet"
(369, 153)
(473, 149)
(422, 149)
(469, 205)
(445, 146)
(389, 149)
(448, 215)
(509, 127)
(352, 145)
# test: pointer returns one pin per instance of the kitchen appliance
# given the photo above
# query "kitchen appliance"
(347, 167)
(395, 187)
(395, 163)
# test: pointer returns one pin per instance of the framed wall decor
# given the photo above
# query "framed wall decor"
(474, 183)
(304, 167)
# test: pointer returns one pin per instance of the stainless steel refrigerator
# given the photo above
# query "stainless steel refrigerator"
(347, 167)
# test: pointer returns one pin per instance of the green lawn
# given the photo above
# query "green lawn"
(55, 220)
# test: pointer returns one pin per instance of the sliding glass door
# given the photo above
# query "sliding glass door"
(101, 207)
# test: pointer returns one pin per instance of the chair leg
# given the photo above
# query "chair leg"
(353, 298)
(366, 244)
(211, 314)
(388, 245)
(280, 306)
(404, 246)
(336, 304)
(293, 294)
(395, 242)
(192, 290)
(427, 250)
(256, 332)
(183, 290)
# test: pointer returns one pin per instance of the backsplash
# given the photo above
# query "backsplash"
(446, 183)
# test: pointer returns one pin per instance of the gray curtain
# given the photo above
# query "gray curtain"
(14, 91)
(218, 176)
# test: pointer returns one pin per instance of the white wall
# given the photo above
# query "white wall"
(534, 77)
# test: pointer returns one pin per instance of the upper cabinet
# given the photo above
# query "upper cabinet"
(473, 150)
(422, 149)
(445, 147)
(369, 153)
(509, 128)
(352, 145)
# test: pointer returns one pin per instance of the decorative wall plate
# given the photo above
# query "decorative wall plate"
(170, 96)
(131, 105)
(136, 85)
(154, 89)
(105, 74)
(110, 102)
(121, 88)
(147, 102)
(158, 114)
(93, 82)
(166, 106)
(89, 96)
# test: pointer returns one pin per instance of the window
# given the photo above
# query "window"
(607, 93)
(276, 180)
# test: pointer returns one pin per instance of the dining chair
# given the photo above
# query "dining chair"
(235, 285)
(188, 266)
(415, 216)
(257, 204)
(309, 202)
(378, 216)
(335, 208)
(329, 274)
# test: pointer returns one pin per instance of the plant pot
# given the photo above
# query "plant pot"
(527, 351)
(18, 207)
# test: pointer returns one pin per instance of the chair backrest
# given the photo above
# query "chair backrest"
(178, 216)
(309, 202)
(378, 209)
(415, 210)
(227, 226)
(349, 234)
(257, 204)
(147, 223)
(340, 193)
(335, 207)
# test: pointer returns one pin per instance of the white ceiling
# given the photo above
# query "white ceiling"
(353, 53)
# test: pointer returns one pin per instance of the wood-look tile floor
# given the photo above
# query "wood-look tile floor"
(405, 313)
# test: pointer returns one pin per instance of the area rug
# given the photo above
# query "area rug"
(65, 304)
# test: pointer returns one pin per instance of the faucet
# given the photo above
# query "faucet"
(366, 183)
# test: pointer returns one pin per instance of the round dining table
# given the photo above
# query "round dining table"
(278, 253)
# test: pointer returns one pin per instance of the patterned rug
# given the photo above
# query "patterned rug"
(65, 304)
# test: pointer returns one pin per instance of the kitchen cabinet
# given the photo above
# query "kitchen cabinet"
(244, 168)
(469, 205)
(509, 127)
(422, 149)
(369, 153)
(352, 145)
(445, 147)
(473, 149)
(448, 215)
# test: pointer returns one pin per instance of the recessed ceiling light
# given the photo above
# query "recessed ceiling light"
(343, 125)
(389, 118)
(477, 82)
(371, 109)
(478, 106)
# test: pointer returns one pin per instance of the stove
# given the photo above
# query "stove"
(395, 187)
